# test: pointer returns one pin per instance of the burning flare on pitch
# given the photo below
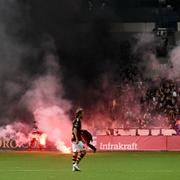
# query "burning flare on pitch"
(42, 139)
(55, 123)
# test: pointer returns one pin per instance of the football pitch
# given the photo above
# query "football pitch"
(98, 166)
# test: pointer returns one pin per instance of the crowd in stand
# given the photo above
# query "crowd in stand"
(147, 104)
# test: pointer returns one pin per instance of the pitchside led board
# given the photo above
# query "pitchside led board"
(138, 143)
(114, 143)
(11, 144)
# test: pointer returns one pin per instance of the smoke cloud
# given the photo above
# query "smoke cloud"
(16, 131)
(174, 71)
(11, 49)
(50, 109)
(29, 92)
(38, 86)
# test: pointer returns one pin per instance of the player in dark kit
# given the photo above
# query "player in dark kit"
(78, 147)
(87, 138)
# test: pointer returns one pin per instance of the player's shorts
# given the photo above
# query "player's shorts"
(78, 147)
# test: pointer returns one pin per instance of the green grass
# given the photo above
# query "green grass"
(99, 166)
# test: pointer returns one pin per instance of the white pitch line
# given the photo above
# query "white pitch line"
(154, 171)
(141, 171)
(29, 170)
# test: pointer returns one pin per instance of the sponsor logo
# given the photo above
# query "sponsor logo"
(10, 144)
(118, 146)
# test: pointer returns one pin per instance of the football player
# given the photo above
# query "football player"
(78, 147)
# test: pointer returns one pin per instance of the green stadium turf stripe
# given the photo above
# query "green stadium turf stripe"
(57, 170)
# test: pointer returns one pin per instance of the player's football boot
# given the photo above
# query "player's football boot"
(75, 167)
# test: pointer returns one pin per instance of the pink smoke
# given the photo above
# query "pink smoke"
(174, 72)
(45, 100)
(18, 131)
(56, 124)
